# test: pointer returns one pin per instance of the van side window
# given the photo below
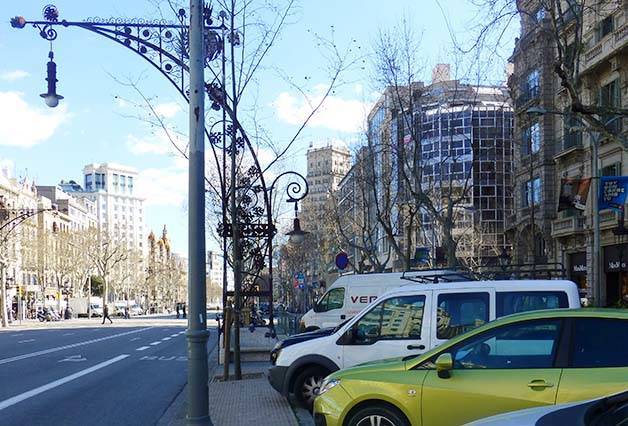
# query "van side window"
(333, 299)
(396, 318)
(512, 302)
(458, 313)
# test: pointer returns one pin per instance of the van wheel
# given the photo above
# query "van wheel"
(308, 384)
(377, 414)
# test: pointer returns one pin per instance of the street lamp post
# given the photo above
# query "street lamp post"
(596, 286)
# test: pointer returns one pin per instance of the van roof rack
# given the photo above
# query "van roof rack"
(534, 271)
(436, 275)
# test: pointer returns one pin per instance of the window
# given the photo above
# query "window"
(333, 299)
(532, 192)
(540, 14)
(531, 142)
(115, 182)
(460, 312)
(393, 319)
(612, 170)
(130, 182)
(610, 96)
(532, 88)
(600, 342)
(529, 344)
(607, 26)
(100, 181)
(571, 137)
(511, 302)
(122, 183)
(89, 182)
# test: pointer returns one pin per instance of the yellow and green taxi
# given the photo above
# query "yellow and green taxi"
(520, 361)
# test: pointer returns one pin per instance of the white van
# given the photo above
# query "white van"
(349, 294)
(408, 320)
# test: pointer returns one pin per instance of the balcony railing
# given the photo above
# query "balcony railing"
(568, 226)
(605, 47)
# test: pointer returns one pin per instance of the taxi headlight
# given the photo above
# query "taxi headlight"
(328, 384)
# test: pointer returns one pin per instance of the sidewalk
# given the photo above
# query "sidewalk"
(249, 401)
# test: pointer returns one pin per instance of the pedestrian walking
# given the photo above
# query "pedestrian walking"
(184, 315)
(105, 314)
(126, 313)
(178, 310)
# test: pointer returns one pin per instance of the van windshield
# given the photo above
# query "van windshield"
(333, 299)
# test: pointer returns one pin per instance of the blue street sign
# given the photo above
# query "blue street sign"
(342, 260)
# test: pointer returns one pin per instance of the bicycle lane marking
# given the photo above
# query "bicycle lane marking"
(33, 392)
(73, 345)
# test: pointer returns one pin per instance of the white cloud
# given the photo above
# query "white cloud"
(23, 125)
(337, 113)
(158, 144)
(168, 109)
(164, 186)
(7, 168)
(13, 75)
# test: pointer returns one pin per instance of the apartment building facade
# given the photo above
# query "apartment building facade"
(557, 148)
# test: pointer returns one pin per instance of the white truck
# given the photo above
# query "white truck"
(349, 294)
(79, 306)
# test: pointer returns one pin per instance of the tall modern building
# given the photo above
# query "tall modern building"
(119, 210)
(554, 147)
(451, 142)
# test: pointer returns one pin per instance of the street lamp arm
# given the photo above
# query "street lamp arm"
(22, 216)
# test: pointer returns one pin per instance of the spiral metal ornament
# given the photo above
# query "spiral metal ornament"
(50, 13)
(47, 32)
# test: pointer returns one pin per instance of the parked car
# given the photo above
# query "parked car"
(96, 310)
(408, 320)
(349, 294)
(532, 359)
(135, 310)
(607, 411)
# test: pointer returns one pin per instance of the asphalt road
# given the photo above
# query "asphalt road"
(99, 375)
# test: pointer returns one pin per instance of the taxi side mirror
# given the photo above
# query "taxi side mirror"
(444, 365)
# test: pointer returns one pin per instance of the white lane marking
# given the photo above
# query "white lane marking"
(74, 345)
(166, 338)
(174, 335)
(33, 392)
(155, 343)
(68, 334)
(26, 341)
(73, 358)
(135, 338)
(143, 348)
(18, 334)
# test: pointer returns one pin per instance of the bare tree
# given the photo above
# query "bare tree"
(566, 25)
(106, 255)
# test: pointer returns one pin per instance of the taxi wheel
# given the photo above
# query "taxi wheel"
(377, 415)
(308, 384)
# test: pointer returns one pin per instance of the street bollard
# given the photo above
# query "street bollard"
(226, 323)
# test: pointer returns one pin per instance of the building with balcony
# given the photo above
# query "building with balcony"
(559, 145)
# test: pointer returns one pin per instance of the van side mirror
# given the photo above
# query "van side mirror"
(444, 365)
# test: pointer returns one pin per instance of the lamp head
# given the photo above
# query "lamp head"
(51, 97)
(297, 235)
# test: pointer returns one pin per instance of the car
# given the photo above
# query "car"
(96, 310)
(531, 359)
(407, 320)
(607, 411)
(135, 310)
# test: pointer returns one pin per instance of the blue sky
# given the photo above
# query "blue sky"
(96, 121)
